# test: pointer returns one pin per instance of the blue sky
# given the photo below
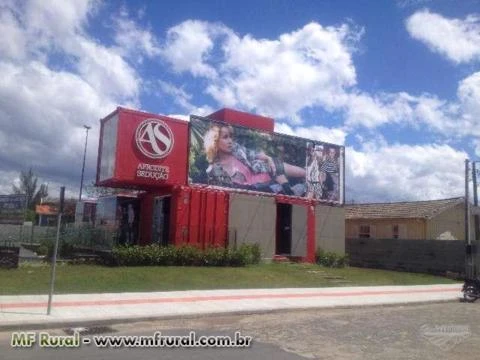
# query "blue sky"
(396, 82)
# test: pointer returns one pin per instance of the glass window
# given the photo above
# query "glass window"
(364, 232)
(395, 231)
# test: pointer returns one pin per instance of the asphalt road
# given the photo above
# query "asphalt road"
(426, 332)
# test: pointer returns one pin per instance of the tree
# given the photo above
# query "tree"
(28, 186)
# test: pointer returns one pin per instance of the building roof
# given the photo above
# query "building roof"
(45, 210)
(414, 209)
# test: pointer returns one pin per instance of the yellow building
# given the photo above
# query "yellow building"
(419, 220)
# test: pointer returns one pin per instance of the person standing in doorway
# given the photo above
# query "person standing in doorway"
(131, 224)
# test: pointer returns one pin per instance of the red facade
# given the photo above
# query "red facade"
(141, 158)
(241, 118)
(149, 152)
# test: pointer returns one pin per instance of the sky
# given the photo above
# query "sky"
(397, 82)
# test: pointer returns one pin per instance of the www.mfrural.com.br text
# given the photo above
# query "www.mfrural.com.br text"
(156, 340)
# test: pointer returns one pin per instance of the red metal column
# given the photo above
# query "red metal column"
(195, 207)
(183, 215)
(311, 243)
(221, 219)
(210, 218)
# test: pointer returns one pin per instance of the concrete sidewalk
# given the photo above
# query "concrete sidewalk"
(30, 311)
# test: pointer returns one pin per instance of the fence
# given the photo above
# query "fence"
(424, 256)
(14, 235)
(87, 236)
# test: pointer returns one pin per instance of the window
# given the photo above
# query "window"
(395, 232)
(364, 232)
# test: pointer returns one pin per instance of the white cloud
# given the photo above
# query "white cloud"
(363, 109)
(46, 130)
(188, 46)
(457, 39)
(105, 70)
(308, 67)
(13, 41)
(321, 133)
(183, 99)
(468, 93)
(51, 25)
(44, 104)
(40, 29)
(411, 3)
(404, 172)
(134, 41)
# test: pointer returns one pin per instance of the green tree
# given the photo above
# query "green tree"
(28, 185)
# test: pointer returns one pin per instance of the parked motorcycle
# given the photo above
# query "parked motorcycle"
(471, 290)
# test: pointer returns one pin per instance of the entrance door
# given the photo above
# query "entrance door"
(161, 220)
(284, 229)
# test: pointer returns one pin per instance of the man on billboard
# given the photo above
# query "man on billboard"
(314, 176)
(330, 167)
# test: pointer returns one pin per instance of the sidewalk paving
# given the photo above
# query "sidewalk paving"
(30, 311)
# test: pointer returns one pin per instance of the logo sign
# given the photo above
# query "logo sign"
(154, 138)
(445, 336)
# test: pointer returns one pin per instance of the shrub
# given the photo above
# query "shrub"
(65, 250)
(331, 259)
(215, 256)
(188, 255)
(184, 256)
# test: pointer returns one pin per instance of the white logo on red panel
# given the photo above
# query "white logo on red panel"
(154, 138)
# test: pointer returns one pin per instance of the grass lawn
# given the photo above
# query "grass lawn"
(34, 279)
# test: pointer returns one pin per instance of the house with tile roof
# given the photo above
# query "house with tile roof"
(47, 214)
(417, 220)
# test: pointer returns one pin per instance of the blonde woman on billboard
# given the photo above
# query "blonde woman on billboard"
(233, 165)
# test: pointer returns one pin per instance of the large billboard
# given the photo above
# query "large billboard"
(236, 157)
(12, 209)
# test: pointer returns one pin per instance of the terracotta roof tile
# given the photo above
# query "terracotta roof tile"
(45, 210)
(414, 209)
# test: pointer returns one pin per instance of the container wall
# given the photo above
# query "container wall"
(330, 228)
(201, 217)
(299, 230)
(251, 220)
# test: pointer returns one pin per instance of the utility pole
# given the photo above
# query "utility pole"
(468, 242)
(475, 201)
(55, 249)
(83, 166)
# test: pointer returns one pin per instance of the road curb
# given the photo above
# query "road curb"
(56, 324)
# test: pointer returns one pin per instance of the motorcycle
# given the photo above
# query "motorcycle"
(471, 290)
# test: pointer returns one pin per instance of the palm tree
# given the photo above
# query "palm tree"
(28, 186)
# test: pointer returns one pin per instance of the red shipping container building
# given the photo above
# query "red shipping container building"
(155, 155)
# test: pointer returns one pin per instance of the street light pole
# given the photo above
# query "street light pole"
(84, 156)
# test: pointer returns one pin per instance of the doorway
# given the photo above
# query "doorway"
(161, 220)
(284, 229)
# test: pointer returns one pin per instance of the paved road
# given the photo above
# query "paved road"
(426, 332)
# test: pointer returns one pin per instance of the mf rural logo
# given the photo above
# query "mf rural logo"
(154, 138)
(445, 336)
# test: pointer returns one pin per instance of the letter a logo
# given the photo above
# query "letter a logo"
(154, 138)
